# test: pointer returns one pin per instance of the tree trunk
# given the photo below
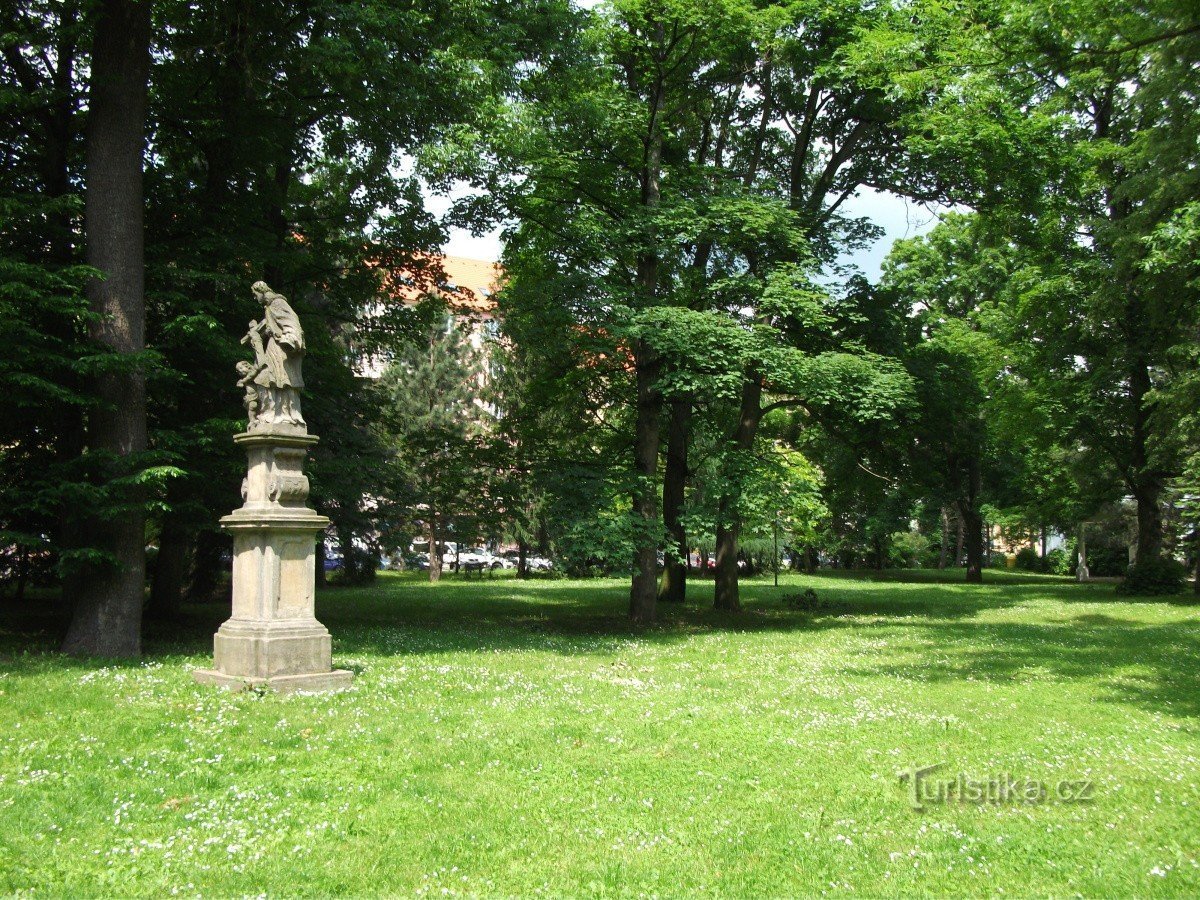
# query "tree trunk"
(170, 572)
(958, 547)
(725, 571)
(435, 548)
(973, 523)
(643, 593)
(108, 609)
(973, 528)
(522, 559)
(673, 587)
(729, 522)
(945, 549)
(1149, 522)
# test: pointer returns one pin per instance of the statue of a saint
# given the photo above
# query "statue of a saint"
(274, 377)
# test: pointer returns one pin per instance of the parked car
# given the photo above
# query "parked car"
(510, 558)
(473, 556)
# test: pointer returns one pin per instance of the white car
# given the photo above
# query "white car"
(479, 558)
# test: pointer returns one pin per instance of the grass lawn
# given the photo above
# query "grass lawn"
(518, 738)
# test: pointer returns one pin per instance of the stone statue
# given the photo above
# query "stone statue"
(274, 380)
(273, 640)
(256, 395)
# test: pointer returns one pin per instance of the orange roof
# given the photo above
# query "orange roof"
(469, 286)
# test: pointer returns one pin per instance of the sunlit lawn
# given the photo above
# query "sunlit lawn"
(518, 738)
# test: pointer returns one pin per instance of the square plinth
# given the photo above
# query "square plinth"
(312, 683)
(272, 649)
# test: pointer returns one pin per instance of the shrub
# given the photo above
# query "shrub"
(1029, 561)
(1105, 562)
(1154, 577)
(906, 549)
(1060, 562)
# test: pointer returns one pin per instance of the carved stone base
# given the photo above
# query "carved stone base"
(273, 638)
(270, 649)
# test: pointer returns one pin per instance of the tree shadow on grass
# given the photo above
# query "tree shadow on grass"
(403, 615)
(587, 617)
(1153, 666)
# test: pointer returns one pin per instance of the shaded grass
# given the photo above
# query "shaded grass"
(510, 737)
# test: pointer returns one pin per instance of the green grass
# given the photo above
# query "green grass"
(518, 738)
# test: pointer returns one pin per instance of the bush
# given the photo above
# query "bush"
(906, 549)
(1060, 562)
(1105, 562)
(1029, 561)
(1154, 577)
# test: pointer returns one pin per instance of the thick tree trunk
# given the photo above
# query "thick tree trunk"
(522, 559)
(170, 572)
(729, 524)
(725, 571)
(973, 523)
(1149, 522)
(643, 593)
(108, 609)
(973, 532)
(958, 546)
(673, 587)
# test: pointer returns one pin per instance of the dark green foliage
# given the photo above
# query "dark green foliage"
(1029, 561)
(1153, 577)
(436, 428)
(1106, 562)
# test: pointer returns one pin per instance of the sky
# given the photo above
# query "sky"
(899, 218)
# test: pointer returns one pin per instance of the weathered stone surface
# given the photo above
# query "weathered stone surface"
(274, 379)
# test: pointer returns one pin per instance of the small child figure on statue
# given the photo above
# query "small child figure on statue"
(252, 400)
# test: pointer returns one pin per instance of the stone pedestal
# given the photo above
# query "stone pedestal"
(273, 638)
